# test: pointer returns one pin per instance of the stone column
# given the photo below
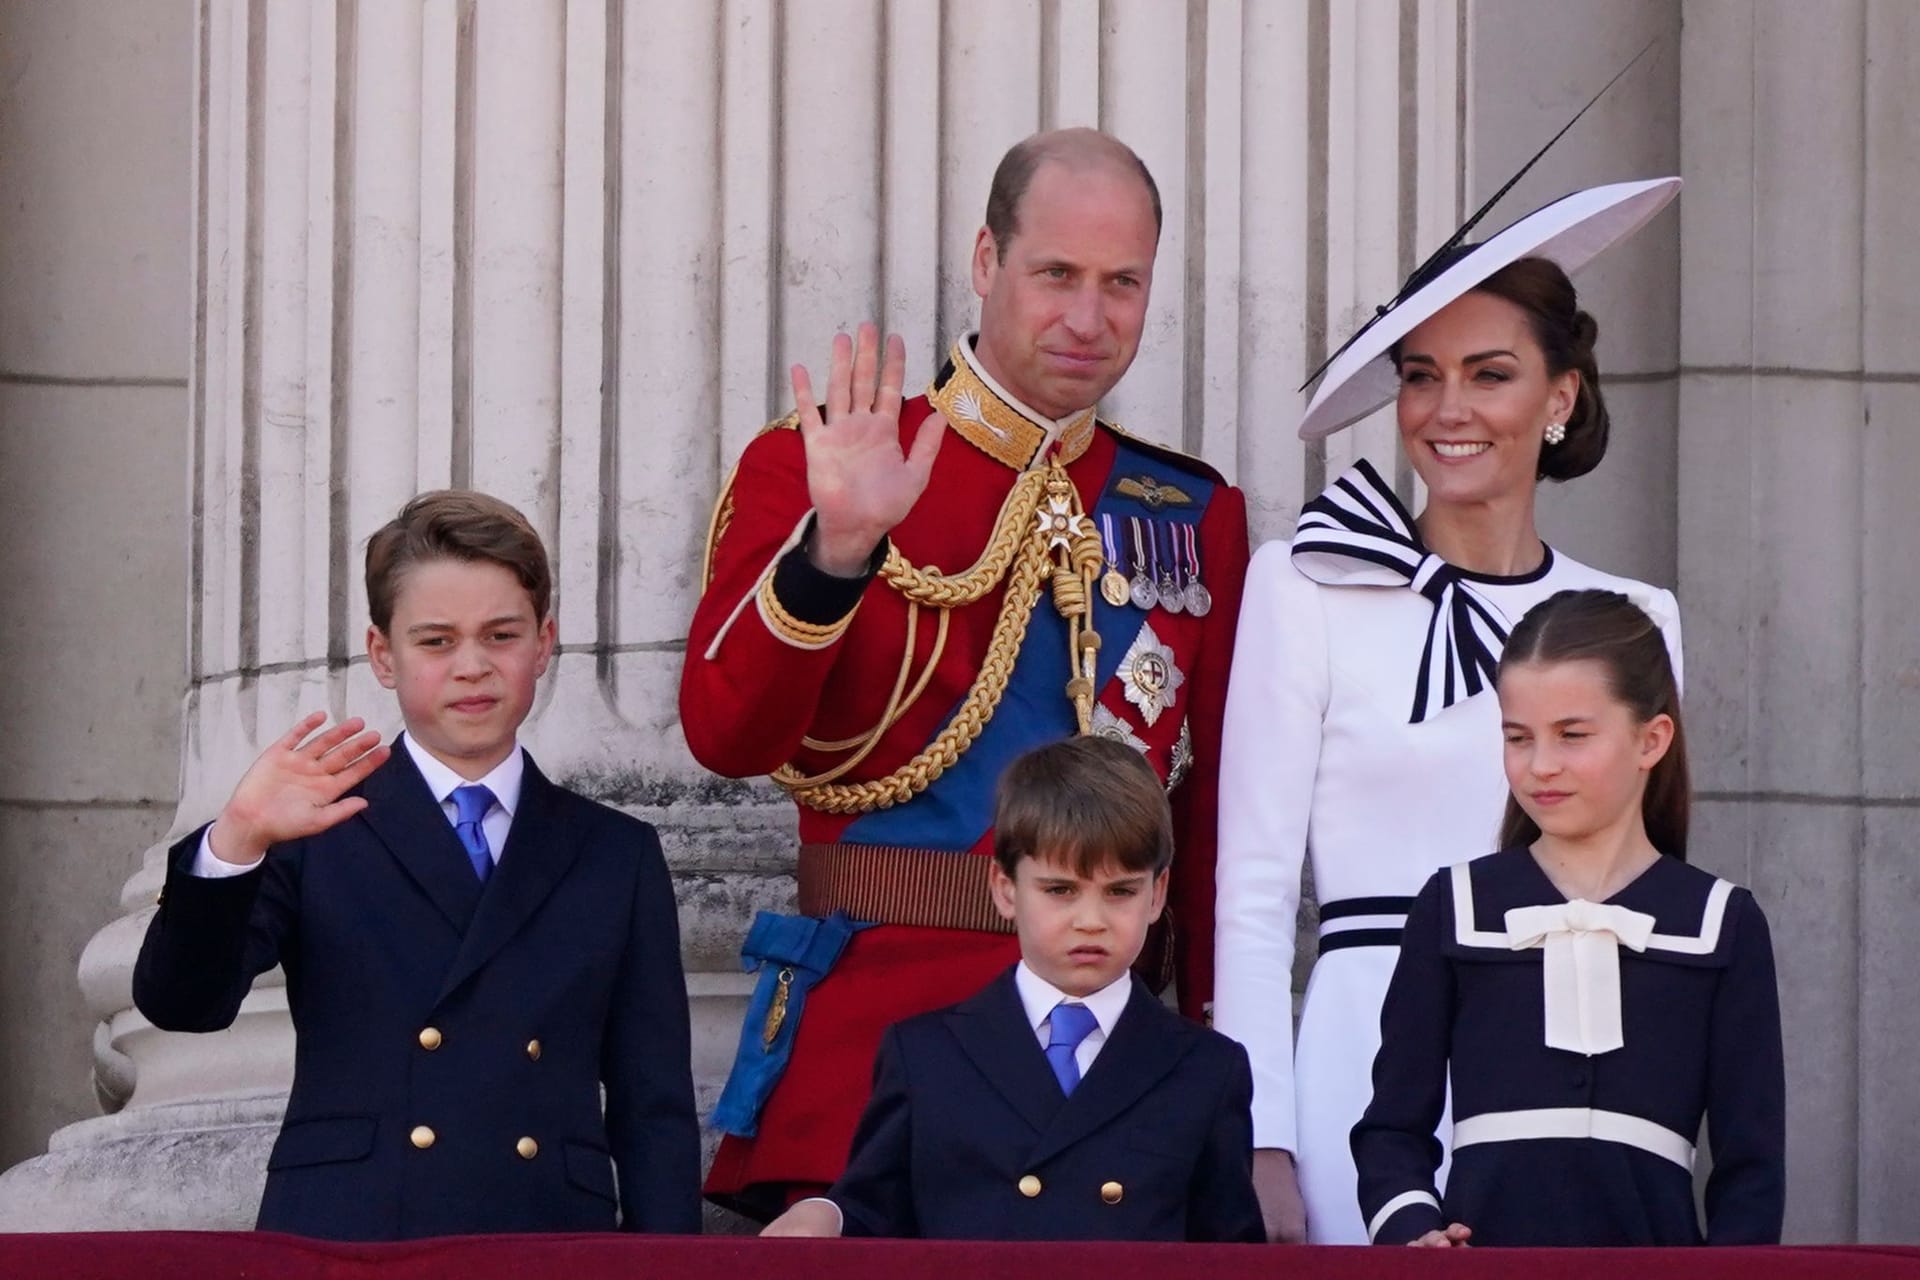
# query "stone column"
(565, 252)
(1799, 396)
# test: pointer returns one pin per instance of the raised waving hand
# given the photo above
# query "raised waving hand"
(860, 482)
(297, 788)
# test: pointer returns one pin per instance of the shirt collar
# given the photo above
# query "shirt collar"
(504, 780)
(1039, 997)
(999, 425)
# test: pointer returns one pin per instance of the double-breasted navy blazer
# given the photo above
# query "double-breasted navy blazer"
(452, 1039)
(968, 1135)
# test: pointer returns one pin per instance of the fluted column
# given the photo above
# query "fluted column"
(565, 252)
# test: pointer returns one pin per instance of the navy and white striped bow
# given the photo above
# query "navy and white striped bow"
(1358, 533)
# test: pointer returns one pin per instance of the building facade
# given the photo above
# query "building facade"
(273, 266)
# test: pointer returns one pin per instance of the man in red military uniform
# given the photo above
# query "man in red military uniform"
(891, 614)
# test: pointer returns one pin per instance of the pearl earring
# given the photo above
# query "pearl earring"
(1556, 432)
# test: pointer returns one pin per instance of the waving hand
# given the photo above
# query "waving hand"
(860, 482)
(296, 787)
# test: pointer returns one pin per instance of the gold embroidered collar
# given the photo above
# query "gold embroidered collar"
(1000, 426)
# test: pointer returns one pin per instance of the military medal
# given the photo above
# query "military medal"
(1114, 587)
(1199, 599)
(1152, 681)
(1141, 589)
(1171, 597)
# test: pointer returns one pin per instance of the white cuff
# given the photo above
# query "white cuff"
(208, 865)
(1405, 1200)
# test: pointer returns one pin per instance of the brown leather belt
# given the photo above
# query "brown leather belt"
(889, 884)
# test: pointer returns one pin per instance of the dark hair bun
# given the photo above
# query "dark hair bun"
(1586, 441)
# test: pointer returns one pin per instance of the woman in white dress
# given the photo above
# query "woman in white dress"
(1362, 731)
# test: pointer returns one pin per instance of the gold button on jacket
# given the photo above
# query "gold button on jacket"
(533, 1050)
(430, 1038)
(527, 1148)
(1111, 1192)
(1029, 1186)
(422, 1137)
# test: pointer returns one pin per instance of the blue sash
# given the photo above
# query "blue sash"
(957, 809)
(794, 953)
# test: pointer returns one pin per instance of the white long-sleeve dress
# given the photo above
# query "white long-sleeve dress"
(1319, 760)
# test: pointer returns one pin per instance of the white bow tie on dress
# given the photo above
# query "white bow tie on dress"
(1581, 969)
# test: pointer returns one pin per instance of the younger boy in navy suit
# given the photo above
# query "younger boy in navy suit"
(471, 952)
(1064, 1102)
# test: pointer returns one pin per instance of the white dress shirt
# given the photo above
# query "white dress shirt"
(504, 781)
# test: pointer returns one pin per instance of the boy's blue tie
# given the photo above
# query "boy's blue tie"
(1069, 1024)
(470, 804)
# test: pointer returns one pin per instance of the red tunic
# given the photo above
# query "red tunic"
(752, 689)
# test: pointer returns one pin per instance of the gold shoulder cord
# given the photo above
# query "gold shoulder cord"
(1042, 515)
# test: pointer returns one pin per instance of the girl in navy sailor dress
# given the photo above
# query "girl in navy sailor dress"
(1590, 995)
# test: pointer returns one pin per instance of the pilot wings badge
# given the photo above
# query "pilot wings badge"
(1151, 494)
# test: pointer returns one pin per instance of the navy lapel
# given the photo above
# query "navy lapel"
(409, 821)
(993, 1031)
(540, 850)
(1147, 1042)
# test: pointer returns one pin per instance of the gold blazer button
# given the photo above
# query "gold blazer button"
(1029, 1186)
(533, 1050)
(527, 1148)
(430, 1038)
(422, 1136)
(1111, 1192)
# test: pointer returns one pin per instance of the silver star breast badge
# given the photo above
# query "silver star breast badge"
(1182, 761)
(1108, 725)
(1152, 679)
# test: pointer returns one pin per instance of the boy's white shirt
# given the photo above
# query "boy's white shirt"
(504, 781)
(1039, 997)
(1107, 1004)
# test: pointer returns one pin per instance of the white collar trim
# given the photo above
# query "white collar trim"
(1704, 943)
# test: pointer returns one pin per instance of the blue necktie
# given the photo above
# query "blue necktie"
(1069, 1024)
(470, 804)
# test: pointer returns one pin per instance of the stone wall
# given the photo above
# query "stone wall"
(94, 307)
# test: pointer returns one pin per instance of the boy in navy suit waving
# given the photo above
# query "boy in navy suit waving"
(1064, 1102)
(472, 953)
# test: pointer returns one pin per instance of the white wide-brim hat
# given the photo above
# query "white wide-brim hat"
(1572, 231)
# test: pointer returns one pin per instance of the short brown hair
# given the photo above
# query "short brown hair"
(1086, 803)
(1083, 148)
(455, 524)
